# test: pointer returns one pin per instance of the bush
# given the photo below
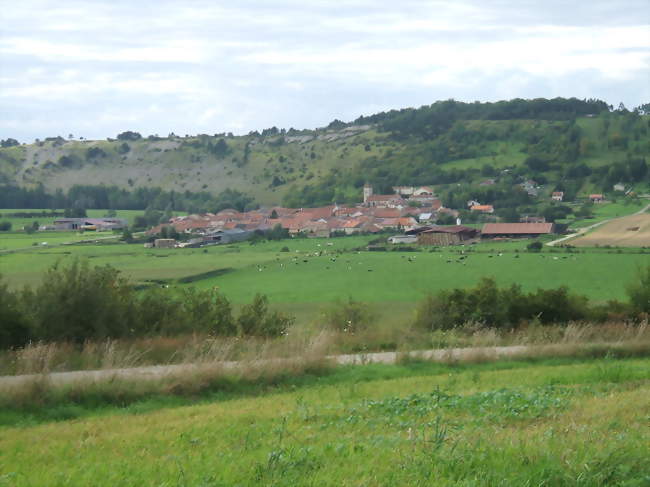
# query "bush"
(349, 316)
(500, 308)
(5, 226)
(78, 303)
(256, 320)
(535, 246)
(639, 291)
(285, 249)
(14, 329)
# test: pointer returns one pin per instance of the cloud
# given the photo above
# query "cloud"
(159, 66)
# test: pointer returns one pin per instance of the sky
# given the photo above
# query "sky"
(95, 68)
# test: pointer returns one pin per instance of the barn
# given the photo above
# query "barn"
(452, 235)
(516, 230)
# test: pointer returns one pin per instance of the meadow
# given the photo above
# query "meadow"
(563, 421)
(324, 270)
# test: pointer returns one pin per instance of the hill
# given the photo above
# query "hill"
(577, 146)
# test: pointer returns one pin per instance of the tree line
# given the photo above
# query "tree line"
(116, 198)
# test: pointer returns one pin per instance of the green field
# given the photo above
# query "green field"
(556, 422)
(301, 276)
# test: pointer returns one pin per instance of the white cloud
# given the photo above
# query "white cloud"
(203, 66)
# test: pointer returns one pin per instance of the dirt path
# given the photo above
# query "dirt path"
(161, 371)
(584, 230)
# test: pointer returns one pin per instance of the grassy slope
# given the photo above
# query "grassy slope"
(552, 423)
(176, 164)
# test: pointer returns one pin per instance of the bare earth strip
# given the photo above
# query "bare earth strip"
(603, 223)
(629, 231)
(158, 372)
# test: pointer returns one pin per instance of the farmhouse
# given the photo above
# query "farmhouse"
(453, 235)
(557, 195)
(517, 230)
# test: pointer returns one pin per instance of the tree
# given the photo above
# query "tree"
(9, 142)
(129, 135)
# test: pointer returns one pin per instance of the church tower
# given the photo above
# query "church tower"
(367, 192)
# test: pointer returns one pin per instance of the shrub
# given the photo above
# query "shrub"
(499, 308)
(14, 329)
(5, 226)
(535, 246)
(349, 316)
(256, 320)
(638, 291)
(78, 303)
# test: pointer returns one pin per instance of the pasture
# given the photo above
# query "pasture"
(629, 231)
(554, 422)
(324, 270)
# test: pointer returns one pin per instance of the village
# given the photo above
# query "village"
(410, 212)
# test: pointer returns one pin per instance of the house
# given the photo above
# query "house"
(487, 182)
(471, 203)
(385, 201)
(482, 208)
(413, 190)
(452, 235)
(514, 230)
(425, 217)
(557, 195)
(596, 198)
(619, 187)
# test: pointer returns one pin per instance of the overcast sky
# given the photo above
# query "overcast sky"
(95, 68)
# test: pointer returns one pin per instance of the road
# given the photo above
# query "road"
(584, 230)
(155, 372)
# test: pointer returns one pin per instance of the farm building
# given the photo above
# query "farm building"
(453, 235)
(596, 198)
(164, 243)
(226, 236)
(516, 230)
(557, 195)
(98, 224)
(402, 239)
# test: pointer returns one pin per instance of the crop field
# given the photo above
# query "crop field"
(630, 231)
(554, 422)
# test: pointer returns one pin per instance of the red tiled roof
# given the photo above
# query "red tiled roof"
(517, 228)
(482, 208)
(384, 197)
